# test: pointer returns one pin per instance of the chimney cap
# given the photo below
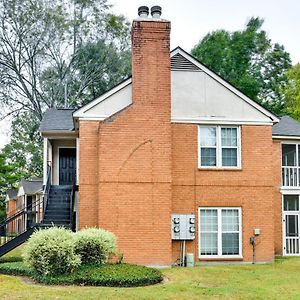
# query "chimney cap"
(156, 11)
(143, 11)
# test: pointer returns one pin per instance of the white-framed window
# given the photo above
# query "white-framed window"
(220, 232)
(219, 146)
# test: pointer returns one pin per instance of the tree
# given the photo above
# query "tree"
(291, 92)
(40, 42)
(55, 53)
(9, 175)
(249, 61)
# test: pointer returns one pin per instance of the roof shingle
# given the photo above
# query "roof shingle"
(287, 127)
(57, 120)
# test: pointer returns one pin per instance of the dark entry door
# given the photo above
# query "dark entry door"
(67, 165)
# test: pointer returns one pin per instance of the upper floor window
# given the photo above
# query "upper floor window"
(290, 165)
(219, 146)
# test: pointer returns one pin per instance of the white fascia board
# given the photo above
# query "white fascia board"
(224, 83)
(218, 121)
(285, 137)
(80, 112)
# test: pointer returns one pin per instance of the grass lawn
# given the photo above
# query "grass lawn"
(280, 280)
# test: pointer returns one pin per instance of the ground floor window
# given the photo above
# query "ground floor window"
(220, 232)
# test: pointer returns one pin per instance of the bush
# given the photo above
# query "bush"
(16, 268)
(51, 251)
(7, 259)
(120, 275)
(95, 245)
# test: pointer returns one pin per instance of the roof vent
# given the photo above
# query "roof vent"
(156, 12)
(143, 11)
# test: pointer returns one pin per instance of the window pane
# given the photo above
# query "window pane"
(208, 232)
(209, 244)
(230, 243)
(288, 155)
(291, 226)
(229, 136)
(208, 157)
(290, 202)
(208, 220)
(229, 157)
(230, 220)
(208, 136)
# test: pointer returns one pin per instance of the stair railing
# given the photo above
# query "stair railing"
(47, 188)
(72, 202)
(20, 221)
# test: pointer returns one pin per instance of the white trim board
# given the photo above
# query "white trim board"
(286, 137)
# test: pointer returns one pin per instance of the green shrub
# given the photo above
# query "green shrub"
(95, 245)
(7, 259)
(16, 268)
(51, 251)
(116, 275)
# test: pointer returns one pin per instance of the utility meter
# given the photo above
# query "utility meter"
(183, 227)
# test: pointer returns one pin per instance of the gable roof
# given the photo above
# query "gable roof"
(179, 51)
(33, 186)
(61, 120)
(287, 127)
(12, 194)
(57, 120)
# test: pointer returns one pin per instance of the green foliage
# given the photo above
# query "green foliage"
(118, 275)
(51, 252)
(292, 92)
(95, 245)
(249, 61)
(7, 259)
(16, 268)
(10, 174)
(55, 54)
(25, 148)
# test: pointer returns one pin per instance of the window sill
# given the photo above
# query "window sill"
(221, 258)
(219, 169)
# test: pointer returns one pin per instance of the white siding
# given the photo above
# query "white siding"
(198, 97)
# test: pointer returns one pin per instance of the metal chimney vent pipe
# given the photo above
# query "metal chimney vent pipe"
(156, 12)
(143, 11)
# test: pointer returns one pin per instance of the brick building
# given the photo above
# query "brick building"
(175, 145)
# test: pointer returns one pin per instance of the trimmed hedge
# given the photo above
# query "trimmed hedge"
(16, 268)
(7, 259)
(114, 275)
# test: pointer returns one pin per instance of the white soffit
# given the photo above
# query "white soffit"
(204, 97)
(108, 104)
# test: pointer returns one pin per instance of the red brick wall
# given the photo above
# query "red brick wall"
(125, 162)
(88, 174)
(251, 188)
(11, 207)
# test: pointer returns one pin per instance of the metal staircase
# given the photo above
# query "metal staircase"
(55, 208)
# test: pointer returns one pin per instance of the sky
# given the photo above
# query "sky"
(191, 20)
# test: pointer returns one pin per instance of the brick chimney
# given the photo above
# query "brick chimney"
(151, 58)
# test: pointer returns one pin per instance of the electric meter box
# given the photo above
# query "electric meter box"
(183, 227)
